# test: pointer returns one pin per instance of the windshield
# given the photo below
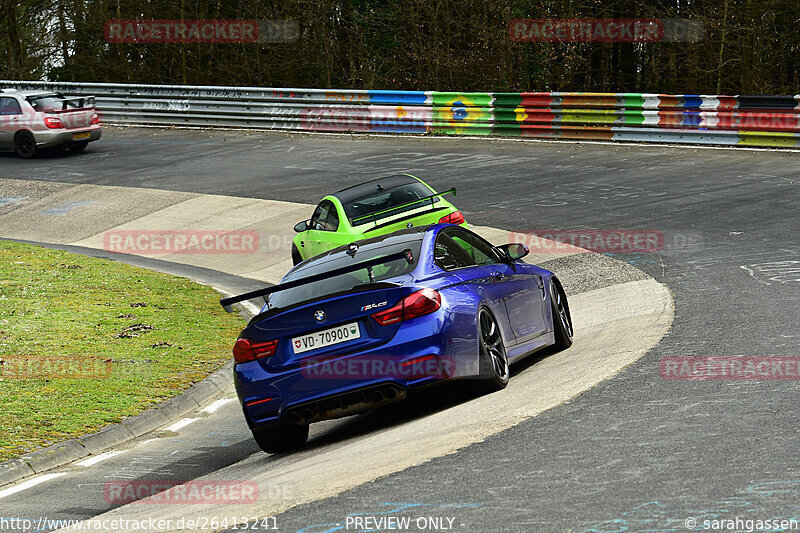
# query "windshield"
(370, 208)
(381, 272)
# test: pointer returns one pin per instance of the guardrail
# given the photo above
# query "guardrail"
(772, 121)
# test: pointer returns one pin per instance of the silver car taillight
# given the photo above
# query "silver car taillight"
(53, 123)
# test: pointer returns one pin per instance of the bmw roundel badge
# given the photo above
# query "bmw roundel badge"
(319, 315)
(410, 225)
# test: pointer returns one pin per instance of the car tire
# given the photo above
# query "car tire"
(562, 320)
(493, 357)
(25, 144)
(296, 258)
(281, 437)
(76, 147)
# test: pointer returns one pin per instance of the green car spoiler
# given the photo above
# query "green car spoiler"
(401, 206)
(227, 303)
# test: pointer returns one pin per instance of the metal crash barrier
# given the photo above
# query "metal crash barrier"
(768, 121)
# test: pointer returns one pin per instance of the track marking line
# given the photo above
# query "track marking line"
(181, 424)
(28, 484)
(102, 457)
(216, 405)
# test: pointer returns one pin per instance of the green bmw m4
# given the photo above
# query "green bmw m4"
(373, 208)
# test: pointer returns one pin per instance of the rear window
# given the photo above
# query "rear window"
(368, 209)
(46, 103)
(381, 272)
(54, 103)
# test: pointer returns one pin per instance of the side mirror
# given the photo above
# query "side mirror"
(515, 251)
(301, 226)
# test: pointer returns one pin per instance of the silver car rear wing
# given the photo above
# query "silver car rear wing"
(70, 103)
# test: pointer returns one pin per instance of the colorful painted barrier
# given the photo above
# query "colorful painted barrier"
(771, 121)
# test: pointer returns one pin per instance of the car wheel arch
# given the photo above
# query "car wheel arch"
(553, 279)
(485, 305)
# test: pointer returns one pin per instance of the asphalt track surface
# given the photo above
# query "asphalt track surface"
(606, 296)
(636, 452)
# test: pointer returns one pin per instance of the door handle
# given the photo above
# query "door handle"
(497, 275)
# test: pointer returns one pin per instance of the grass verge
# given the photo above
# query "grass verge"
(85, 342)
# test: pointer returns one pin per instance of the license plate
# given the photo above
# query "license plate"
(81, 136)
(327, 337)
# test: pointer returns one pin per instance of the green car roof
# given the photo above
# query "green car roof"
(314, 241)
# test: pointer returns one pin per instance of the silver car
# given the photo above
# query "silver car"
(32, 120)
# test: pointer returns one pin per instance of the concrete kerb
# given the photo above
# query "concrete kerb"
(106, 438)
(14, 470)
(55, 455)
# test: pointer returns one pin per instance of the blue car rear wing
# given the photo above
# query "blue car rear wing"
(227, 303)
(386, 212)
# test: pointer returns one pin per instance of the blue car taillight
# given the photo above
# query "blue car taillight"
(416, 304)
(246, 350)
(258, 402)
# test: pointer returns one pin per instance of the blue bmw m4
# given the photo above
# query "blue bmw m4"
(360, 326)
